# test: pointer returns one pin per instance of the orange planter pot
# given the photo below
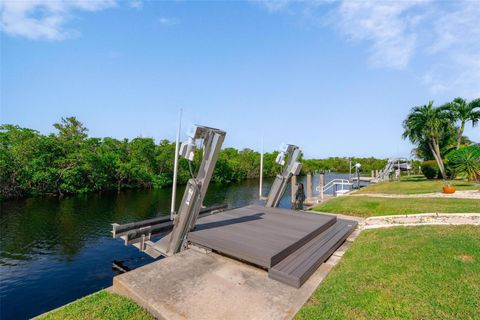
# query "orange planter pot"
(447, 189)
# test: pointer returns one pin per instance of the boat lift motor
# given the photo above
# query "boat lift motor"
(293, 167)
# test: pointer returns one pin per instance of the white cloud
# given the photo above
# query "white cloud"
(136, 4)
(459, 73)
(168, 21)
(274, 5)
(386, 25)
(456, 26)
(44, 19)
(443, 35)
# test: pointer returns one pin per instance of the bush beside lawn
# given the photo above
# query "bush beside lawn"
(100, 305)
(378, 206)
(421, 272)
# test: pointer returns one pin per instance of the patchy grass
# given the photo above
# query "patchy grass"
(421, 272)
(377, 206)
(100, 305)
(415, 185)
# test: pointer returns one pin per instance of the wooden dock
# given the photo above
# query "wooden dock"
(364, 179)
(290, 244)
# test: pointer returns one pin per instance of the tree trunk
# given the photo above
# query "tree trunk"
(460, 134)
(436, 153)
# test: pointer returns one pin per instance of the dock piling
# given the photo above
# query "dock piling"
(309, 186)
(293, 183)
(322, 179)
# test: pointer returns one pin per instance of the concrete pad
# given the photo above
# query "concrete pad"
(194, 285)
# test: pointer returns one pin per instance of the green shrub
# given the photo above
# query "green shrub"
(466, 161)
(449, 171)
(430, 169)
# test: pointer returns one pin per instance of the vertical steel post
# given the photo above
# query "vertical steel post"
(350, 168)
(399, 171)
(358, 176)
(293, 184)
(175, 166)
(309, 185)
(260, 191)
(322, 183)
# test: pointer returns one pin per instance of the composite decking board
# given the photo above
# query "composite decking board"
(249, 252)
(263, 236)
(266, 225)
(332, 245)
(268, 233)
(321, 254)
(291, 263)
(255, 217)
(295, 246)
(299, 266)
(299, 262)
(296, 280)
(307, 252)
(244, 245)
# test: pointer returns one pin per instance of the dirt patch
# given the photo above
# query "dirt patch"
(465, 258)
(313, 300)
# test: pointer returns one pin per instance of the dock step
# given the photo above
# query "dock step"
(295, 269)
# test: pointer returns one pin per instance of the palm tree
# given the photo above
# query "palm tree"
(461, 112)
(426, 124)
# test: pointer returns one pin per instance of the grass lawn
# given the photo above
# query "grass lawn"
(415, 184)
(403, 273)
(101, 305)
(377, 206)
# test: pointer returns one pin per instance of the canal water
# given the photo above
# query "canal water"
(54, 251)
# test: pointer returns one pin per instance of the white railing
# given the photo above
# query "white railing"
(333, 183)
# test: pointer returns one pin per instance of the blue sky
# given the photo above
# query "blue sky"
(335, 77)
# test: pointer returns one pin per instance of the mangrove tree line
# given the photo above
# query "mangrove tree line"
(69, 162)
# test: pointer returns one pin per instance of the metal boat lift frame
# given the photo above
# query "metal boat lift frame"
(393, 164)
(293, 167)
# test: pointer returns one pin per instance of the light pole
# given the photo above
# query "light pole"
(350, 169)
(357, 171)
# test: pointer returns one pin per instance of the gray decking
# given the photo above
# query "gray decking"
(291, 244)
(300, 265)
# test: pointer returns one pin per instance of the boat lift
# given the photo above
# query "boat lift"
(394, 164)
(293, 167)
(140, 234)
(290, 244)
